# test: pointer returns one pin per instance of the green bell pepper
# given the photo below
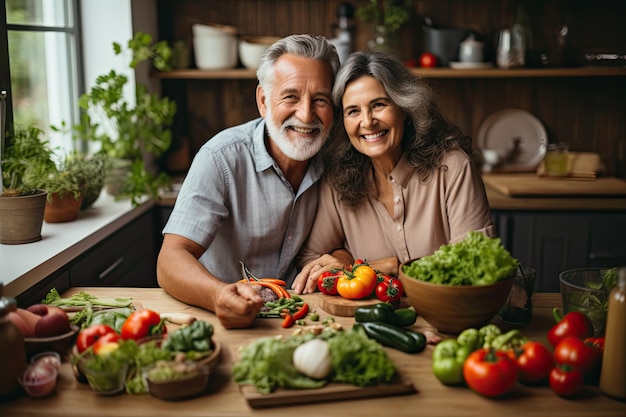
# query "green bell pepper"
(448, 359)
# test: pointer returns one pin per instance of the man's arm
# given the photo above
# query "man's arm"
(182, 276)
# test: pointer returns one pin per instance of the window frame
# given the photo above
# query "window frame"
(74, 31)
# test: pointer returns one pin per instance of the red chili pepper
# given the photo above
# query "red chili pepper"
(300, 314)
(288, 321)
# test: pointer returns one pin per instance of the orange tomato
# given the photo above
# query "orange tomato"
(357, 283)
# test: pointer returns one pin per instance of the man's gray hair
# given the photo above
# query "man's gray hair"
(306, 46)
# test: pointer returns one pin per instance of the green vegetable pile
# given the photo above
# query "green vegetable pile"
(266, 363)
(83, 299)
(476, 260)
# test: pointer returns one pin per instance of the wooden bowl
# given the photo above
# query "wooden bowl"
(453, 308)
(61, 344)
(180, 389)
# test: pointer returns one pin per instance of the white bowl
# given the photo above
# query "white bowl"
(212, 29)
(215, 51)
(252, 48)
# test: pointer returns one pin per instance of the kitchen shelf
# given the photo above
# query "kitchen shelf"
(243, 74)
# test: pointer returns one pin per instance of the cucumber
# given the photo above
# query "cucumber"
(404, 317)
(382, 312)
(395, 337)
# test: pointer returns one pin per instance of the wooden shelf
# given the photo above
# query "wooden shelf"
(243, 74)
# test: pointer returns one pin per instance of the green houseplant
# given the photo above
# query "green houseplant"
(385, 17)
(66, 178)
(21, 205)
(128, 134)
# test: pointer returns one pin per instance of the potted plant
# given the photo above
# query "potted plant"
(385, 17)
(21, 205)
(130, 134)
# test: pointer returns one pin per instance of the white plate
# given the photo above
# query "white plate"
(471, 65)
(517, 134)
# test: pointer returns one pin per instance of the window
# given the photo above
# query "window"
(40, 40)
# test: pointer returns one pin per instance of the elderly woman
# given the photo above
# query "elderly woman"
(399, 179)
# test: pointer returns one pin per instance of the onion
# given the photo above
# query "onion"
(312, 359)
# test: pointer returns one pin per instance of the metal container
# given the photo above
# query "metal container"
(444, 43)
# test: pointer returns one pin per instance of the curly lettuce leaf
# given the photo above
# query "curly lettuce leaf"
(476, 260)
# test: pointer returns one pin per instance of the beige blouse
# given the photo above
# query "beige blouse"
(427, 214)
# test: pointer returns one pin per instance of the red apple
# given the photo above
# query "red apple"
(428, 60)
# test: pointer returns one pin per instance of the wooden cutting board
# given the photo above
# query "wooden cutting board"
(531, 185)
(338, 306)
(331, 392)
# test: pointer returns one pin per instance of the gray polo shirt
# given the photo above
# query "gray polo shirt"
(236, 203)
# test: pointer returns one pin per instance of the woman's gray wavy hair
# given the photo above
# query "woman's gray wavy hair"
(427, 135)
(304, 45)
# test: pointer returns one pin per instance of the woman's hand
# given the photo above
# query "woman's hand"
(306, 281)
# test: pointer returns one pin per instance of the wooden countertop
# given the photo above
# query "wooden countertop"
(432, 398)
(499, 201)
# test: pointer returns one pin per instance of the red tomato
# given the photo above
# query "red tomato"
(388, 289)
(534, 362)
(576, 353)
(490, 372)
(327, 282)
(566, 381)
(87, 337)
(428, 60)
(575, 324)
(143, 323)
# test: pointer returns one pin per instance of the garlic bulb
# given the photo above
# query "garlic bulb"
(312, 359)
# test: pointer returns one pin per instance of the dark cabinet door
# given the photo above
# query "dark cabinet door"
(126, 259)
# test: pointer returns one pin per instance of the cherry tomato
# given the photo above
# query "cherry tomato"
(490, 372)
(574, 323)
(534, 362)
(143, 323)
(576, 353)
(358, 283)
(90, 335)
(388, 289)
(327, 282)
(428, 60)
(566, 381)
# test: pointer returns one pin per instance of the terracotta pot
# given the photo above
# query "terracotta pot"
(21, 218)
(62, 208)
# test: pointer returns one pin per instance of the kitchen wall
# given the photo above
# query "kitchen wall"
(587, 112)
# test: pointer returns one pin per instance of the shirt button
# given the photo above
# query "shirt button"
(399, 228)
(397, 199)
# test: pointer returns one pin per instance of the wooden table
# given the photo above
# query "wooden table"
(432, 398)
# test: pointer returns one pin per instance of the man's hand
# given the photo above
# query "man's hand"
(236, 305)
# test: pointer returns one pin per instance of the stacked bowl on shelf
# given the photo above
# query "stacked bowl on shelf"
(215, 46)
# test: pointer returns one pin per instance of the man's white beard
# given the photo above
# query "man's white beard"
(299, 149)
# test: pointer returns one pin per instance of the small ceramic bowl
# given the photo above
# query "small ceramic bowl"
(39, 380)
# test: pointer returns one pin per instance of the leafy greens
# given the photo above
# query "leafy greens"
(476, 260)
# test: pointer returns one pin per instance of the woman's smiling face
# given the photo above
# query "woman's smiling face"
(374, 124)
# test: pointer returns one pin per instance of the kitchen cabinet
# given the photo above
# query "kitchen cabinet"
(121, 253)
(555, 241)
(125, 259)
(578, 105)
